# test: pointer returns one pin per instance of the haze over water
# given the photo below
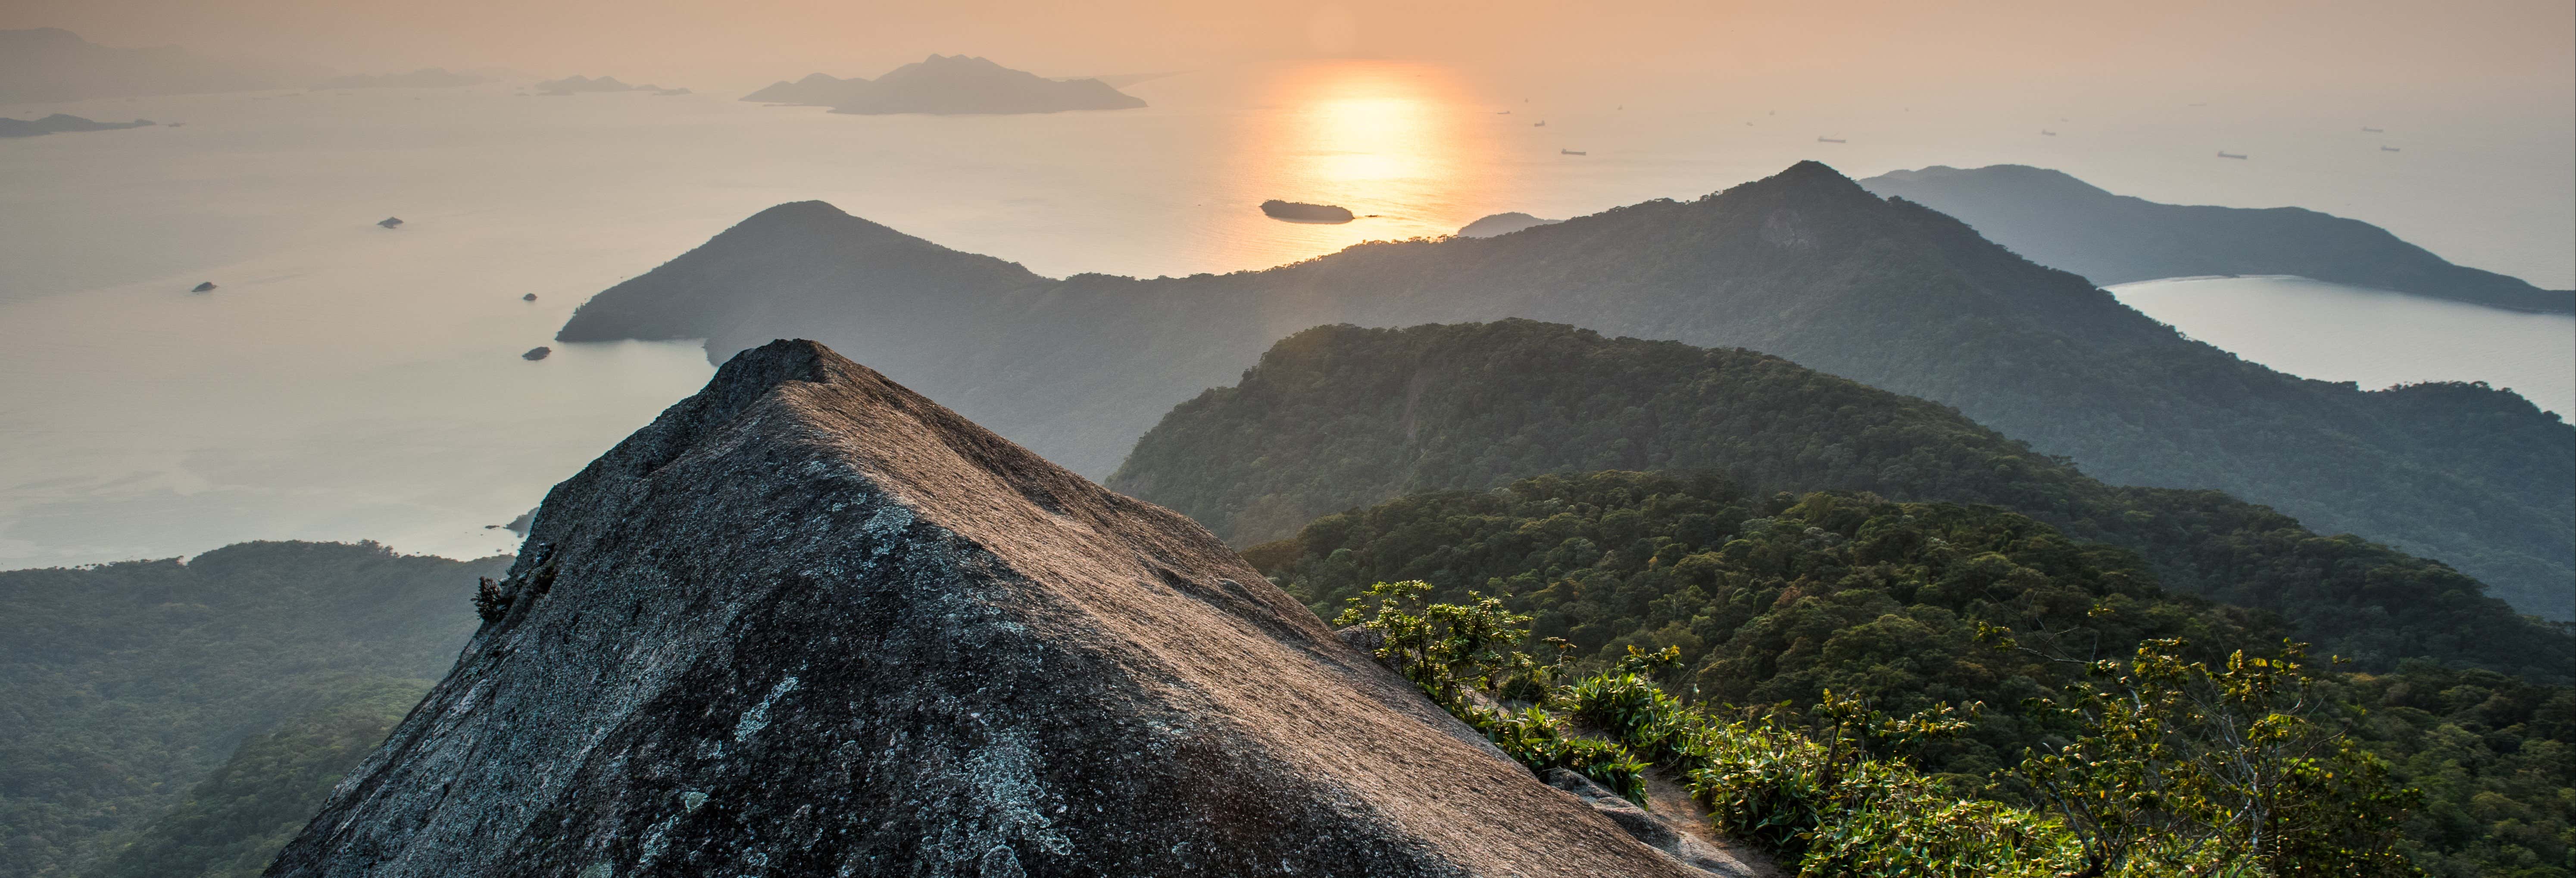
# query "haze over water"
(348, 382)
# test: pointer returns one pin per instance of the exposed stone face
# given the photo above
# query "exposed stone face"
(811, 623)
(1656, 830)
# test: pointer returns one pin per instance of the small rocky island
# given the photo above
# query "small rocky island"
(61, 123)
(206, 287)
(390, 222)
(531, 297)
(945, 85)
(537, 353)
(1301, 212)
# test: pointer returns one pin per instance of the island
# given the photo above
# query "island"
(948, 85)
(1503, 224)
(426, 77)
(571, 85)
(205, 287)
(537, 353)
(59, 123)
(2056, 220)
(390, 222)
(1301, 212)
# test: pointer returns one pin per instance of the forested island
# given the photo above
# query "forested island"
(572, 85)
(2060, 221)
(948, 85)
(426, 77)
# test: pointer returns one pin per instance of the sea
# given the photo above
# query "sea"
(344, 381)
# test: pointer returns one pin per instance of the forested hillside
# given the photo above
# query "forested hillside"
(126, 684)
(1805, 265)
(232, 823)
(1765, 600)
(1338, 417)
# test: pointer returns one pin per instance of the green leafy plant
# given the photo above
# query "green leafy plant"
(2182, 763)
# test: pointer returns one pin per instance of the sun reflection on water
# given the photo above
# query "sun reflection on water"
(1400, 144)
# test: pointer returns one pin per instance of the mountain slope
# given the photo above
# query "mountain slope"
(1805, 265)
(1341, 417)
(809, 623)
(231, 824)
(122, 685)
(2058, 220)
(1765, 602)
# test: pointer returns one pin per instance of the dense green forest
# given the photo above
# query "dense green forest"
(124, 685)
(1338, 417)
(1804, 265)
(232, 823)
(1765, 600)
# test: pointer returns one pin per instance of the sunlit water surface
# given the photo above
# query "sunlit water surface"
(348, 382)
(2373, 338)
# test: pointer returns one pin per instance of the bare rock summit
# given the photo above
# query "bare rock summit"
(809, 623)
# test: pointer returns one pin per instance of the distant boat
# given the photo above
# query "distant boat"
(1831, 140)
(2047, 133)
(2372, 130)
(1542, 123)
(2228, 155)
(2390, 149)
(1571, 152)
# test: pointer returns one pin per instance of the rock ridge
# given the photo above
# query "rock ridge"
(809, 622)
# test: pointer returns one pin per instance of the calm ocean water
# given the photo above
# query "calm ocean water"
(2375, 338)
(348, 382)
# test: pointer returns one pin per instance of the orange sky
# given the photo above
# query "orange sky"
(2515, 51)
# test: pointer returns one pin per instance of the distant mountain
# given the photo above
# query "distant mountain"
(59, 123)
(426, 77)
(123, 685)
(585, 85)
(50, 65)
(949, 85)
(2057, 220)
(1340, 417)
(1805, 265)
(1503, 224)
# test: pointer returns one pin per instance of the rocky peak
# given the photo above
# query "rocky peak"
(811, 623)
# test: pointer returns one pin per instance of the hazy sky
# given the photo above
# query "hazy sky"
(2519, 52)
